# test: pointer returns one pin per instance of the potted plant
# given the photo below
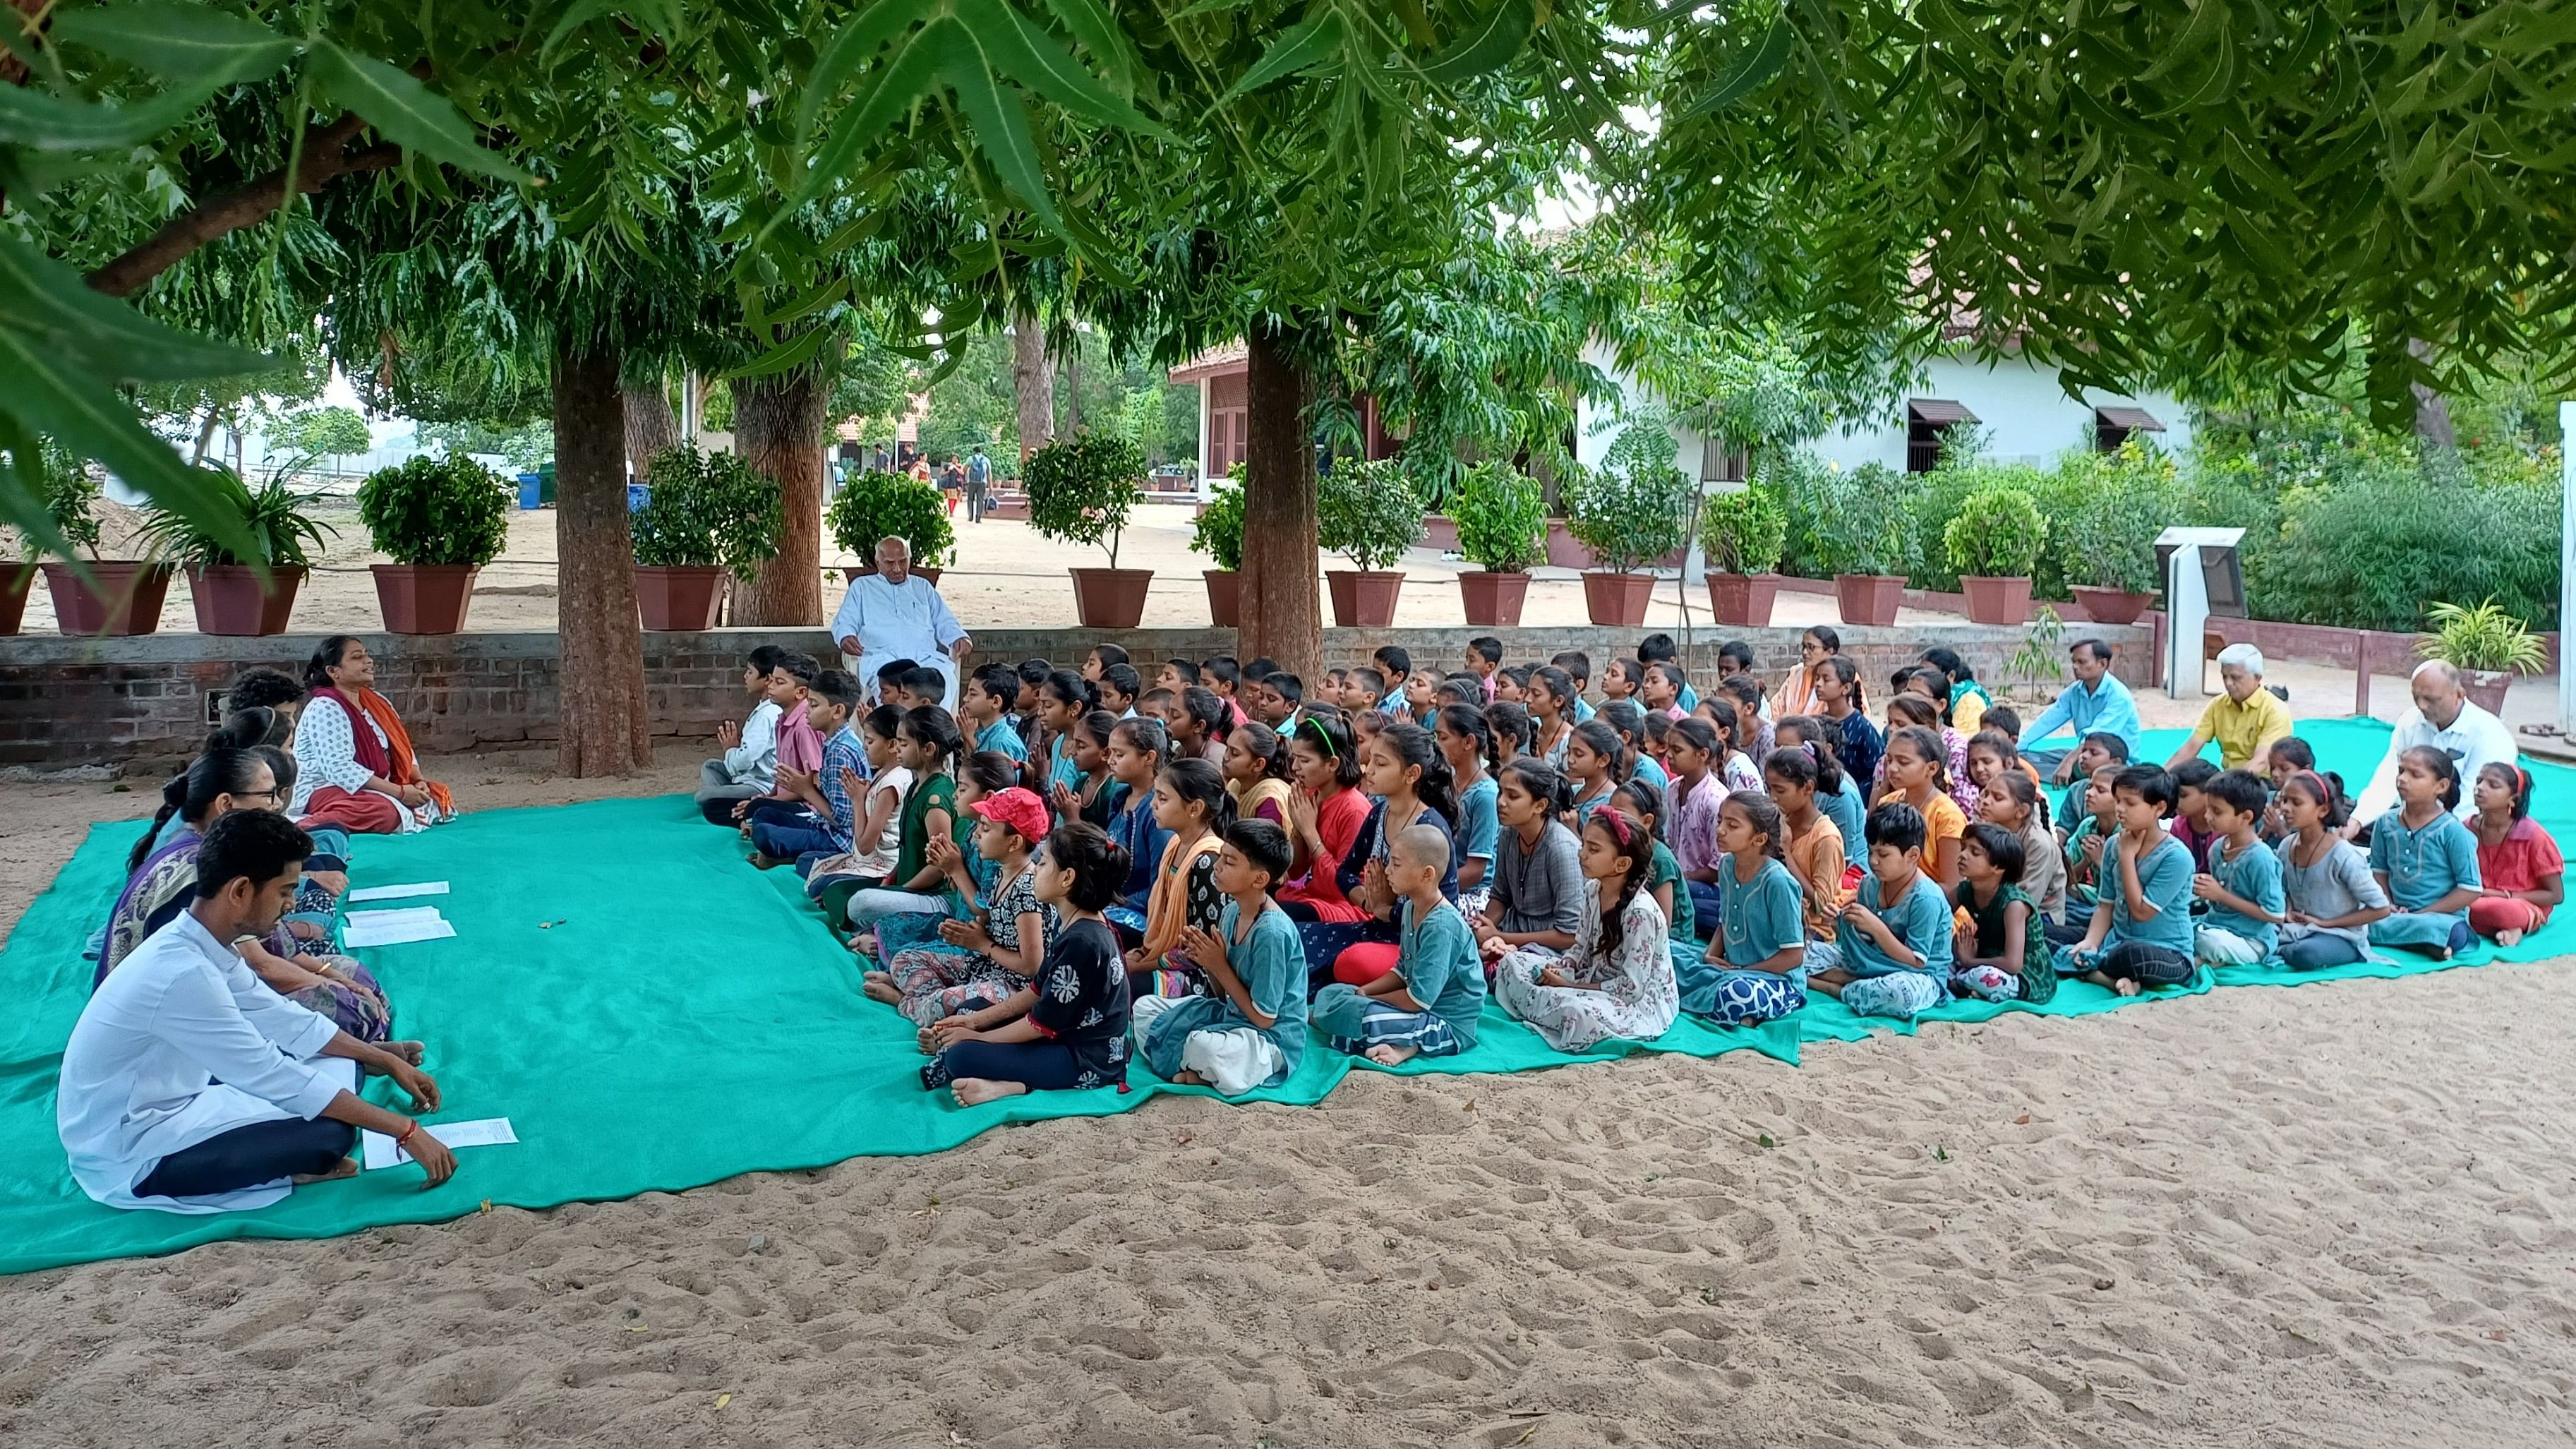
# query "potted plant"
(1743, 534)
(234, 595)
(873, 506)
(1630, 512)
(708, 514)
(440, 520)
(2108, 539)
(1080, 491)
(1864, 536)
(1501, 514)
(1219, 534)
(1366, 511)
(99, 596)
(18, 573)
(2487, 645)
(1994, 542)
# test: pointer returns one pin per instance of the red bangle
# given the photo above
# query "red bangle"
(405, 1135)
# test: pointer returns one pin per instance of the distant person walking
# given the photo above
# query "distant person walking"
(952, 481)
(979, 480)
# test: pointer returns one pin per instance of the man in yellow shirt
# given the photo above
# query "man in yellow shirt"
(2245, 720)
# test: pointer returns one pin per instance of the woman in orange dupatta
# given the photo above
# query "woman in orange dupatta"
(355, 765)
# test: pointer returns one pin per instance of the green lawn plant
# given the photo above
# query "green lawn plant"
(1082, 488)
(873, 506)
(2115, 505)
(1501, 515)
(1997, 534)
(1860, 521)
(427, 510)
(1745, 531)
(273, 515)
(708, 510)
(1635, 508)
(1219, 530)
(2484, 639)
(1368, 512)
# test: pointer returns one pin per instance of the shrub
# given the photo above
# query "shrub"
(873, 506)
(1367, 511)
(2368, 555)
(1745, 531)
(449, 510)
(70, 497)
(1860, 522)
(1081, 488)
(1935, 499)
(1501, 515)
(1219, 531)
(273, 514)
(708, 510)
(1998, 533)
(2485, 639)
(1635, 508)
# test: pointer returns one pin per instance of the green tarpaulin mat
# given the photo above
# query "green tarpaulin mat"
(652, 1014)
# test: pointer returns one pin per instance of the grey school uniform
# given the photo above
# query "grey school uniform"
(2337, 885)
(1540, 889)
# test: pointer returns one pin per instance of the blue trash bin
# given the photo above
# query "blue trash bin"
(636, 494)
(532, 491)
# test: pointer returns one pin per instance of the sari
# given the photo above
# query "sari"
(386, 751)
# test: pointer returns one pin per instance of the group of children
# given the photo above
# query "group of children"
(1078, 867)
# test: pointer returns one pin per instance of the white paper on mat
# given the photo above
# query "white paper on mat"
(396, 934)
(481, 1132)
(395, 917)
(399, 892)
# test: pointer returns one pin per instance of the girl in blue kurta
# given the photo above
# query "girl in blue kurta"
(2141, 934)
(2425, 860)
(1754, 969)
(1252, 1030)
(1427, 1005)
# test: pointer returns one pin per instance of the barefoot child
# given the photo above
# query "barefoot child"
(996, 950)
(1890, 955)
(748, 766)
(2330, 897)
(1616, 981)
(2426, 860)
(2012, 800)
(1250, 1031)
(2141, 933)
(2522, 877)
(1068, 1028)
(2001, 954)
(1755, 967)
(2242, 881)
(819, 817)
(1427, 1004)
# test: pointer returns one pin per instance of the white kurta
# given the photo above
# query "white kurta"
(898, 621)
(180, 1044)
(2475, 739)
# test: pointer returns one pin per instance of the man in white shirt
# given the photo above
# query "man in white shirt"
(2445, 719)
(896, 614)
(189, 1086)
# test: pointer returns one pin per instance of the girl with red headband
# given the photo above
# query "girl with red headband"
(2521, 874)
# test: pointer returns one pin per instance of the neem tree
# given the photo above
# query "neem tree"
(2170, 189)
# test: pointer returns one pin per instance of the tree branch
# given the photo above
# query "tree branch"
(326, 159)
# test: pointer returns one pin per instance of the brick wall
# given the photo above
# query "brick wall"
(145, 701)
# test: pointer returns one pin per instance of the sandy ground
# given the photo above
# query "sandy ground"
(2336, 1215)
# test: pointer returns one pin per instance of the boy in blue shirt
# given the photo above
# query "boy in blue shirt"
(984, 707)
(1252, 1031)
(2142, 932)
(1890, 955)
(2243, 882)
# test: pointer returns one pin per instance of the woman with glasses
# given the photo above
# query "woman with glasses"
(1797, 692)
(226, 778)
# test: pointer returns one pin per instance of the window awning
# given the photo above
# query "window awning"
(2136, 420)
(1938, 411)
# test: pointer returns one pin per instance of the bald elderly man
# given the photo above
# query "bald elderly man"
(2245, 718)
(2444, 719)
(894, 614)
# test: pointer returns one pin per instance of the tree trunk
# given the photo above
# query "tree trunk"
(650, 425)
(778, 429)
(1033, 384)
(205, 436)
(1283, 611)
(607, 729)
(2432, 412)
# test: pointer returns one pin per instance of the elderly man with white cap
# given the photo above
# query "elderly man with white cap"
(2245, 718)
(2445, 719)
(894, 614)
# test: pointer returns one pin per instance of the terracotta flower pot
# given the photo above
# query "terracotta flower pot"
(2485, 689)
(1110, 598)
(1364, 598)
(1225, 597)
(1744, 600)
(15, 580)
(424, 598)
(126, 599)
(1617, 600)
(2113, 606)
(1996, 600)
(1869, 598)
(1494, 600)
(231, 600)
(679, 596)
